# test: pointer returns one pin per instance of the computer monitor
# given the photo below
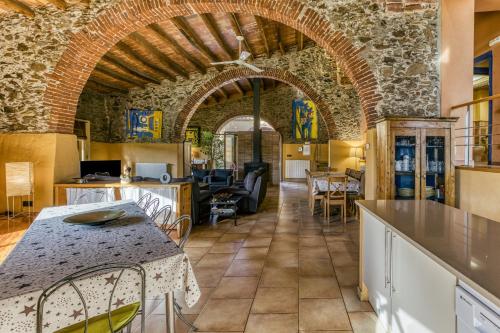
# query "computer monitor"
(113, 167)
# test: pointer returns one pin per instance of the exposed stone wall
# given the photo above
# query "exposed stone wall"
(391, 57)
(276, 109)
(311, 65)
(106, 114)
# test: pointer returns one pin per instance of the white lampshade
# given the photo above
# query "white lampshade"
(19, 178)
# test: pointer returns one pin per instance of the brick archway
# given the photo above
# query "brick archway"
(86, 47)
(231, 75)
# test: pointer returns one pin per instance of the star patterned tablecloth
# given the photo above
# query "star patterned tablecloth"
(321, 185)
(52, 249)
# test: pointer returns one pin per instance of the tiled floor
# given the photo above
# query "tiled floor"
(11, 232)
(280, 270)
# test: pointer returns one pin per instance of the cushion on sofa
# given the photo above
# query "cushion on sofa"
(249, 181)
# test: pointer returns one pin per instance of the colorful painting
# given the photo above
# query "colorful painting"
(193, 135)
(304, 120)
(144, 124)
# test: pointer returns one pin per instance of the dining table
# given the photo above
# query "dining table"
(51, 249)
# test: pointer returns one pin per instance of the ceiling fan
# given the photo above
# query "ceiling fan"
(244, 55)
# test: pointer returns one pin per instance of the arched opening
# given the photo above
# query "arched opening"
(87, 46)
(242, 124)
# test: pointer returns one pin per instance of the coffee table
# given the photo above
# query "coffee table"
(224, 208)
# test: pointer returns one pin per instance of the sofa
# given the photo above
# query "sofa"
(252, 189)
(219, 178)
(200, 202)
(200, 174)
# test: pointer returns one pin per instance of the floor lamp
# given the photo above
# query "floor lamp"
(19, 181)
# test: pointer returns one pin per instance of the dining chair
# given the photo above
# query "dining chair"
(144, 200)
(183, 223)
(110, 321)
(152, 207)
(312, 197)
(336, 195)
(85, 197)
(162, 216)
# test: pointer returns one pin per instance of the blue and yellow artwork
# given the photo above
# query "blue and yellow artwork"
(304, 120)
(144, 124)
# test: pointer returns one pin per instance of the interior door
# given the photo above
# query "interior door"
(435, 164)
(422, 292)
(376, 266)
(405, 166)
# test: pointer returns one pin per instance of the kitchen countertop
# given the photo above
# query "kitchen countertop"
(465, 244)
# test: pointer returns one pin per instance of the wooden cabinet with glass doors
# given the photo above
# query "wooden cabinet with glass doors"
(415, 159)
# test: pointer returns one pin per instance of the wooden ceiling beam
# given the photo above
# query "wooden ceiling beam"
(223, 93)
(238, 31)
(263, 84)
(126, 49)
(165, 37)
(263, 36)
(281, 47)
(61, 4)
(193, 38)
(239, 88)
(211, 25)
(299, 36)
(106, 85)
(19, 7)
(110, 73)
(129, 69)
(159, 55)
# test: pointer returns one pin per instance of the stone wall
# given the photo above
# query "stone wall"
(312, 65)
(276, 107)
(398, 51)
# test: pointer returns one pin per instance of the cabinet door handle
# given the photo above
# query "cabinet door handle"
(386, 258)
(392, 259)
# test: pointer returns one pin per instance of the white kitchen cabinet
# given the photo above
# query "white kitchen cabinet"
(422, 292)
(408, 290)
(376, 272)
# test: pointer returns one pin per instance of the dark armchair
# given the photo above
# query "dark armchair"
(200, 202)
(219, 178)
(200, 174)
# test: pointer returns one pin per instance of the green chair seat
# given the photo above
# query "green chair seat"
(99, 324)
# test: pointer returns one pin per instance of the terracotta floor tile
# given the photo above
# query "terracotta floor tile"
(216, 260)
(228, 247)
(195, 309)
(241, 267)
(286, 237)
(224, 315)
(233, 238)
(316, 267)
(257, 242)
(272, 323)
(342, 246)
(252, 253)
(347, 276)
(318, 287)
(323, 314)
(208, 276)
(200, 242)
(236, 287)
(196, 253)
(352, 302)
(276, 300)
(319, 252)
(279, 277)
(341, 259)
(283, 246)
(365, 322)
(283, 259)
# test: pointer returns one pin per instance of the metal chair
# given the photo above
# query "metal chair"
(144, 200)
(162, 216)
(168, 229)
(112, 320)
(99, 197)
(152, 207)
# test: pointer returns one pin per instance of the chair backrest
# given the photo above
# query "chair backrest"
(337, 187)
(144, 200)
(152, 207)
(72, 281)
(180, 223)
(86, 196)
(162, 217)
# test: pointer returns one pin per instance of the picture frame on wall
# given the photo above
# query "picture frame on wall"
(192, 135)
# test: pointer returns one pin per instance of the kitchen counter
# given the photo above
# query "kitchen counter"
(466, 245)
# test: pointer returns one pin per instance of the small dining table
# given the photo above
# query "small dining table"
(52, 249)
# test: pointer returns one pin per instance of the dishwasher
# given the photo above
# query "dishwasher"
(474, 313)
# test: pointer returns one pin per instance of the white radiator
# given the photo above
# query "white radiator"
(296, 168)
